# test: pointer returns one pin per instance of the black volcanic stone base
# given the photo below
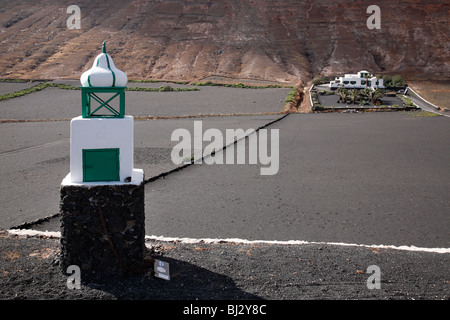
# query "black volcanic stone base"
(102, 228)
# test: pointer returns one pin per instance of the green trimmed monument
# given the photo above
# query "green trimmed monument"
(102, 198)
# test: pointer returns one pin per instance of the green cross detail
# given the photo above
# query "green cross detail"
(89, 93)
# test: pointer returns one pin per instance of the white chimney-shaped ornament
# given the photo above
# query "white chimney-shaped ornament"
(103, 73)
(101, 139)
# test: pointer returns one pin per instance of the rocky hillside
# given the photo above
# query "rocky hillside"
(277, 40)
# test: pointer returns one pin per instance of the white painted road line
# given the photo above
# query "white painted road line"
(57, 235)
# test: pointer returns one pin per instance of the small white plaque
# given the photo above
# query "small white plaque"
(161, 269)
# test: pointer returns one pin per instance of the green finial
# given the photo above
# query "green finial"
(104, 47)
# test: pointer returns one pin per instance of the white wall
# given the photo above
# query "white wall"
(99, 133)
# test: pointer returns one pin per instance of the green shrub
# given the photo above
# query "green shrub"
(165, 88)
(398, 81)
(144, 81)
(321, 80)
(36, 88)
(291, 95)
(409, 102)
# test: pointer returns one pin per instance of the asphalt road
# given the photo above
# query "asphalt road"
(54, 103)
(35, 159)
(374, 178)
(426, 107)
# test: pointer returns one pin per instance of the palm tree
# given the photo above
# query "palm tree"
(375, 95)
(367, 76)
(364, 94)
(342, 94)
(353, 95)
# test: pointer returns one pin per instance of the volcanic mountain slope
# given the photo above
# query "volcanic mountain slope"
(277, 40)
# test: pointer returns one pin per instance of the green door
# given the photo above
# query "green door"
(101, 165)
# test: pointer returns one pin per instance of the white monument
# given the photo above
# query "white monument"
(102, 198)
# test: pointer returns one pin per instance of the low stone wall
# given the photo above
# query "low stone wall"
(363, 108)
(326, 102)
(102, 228)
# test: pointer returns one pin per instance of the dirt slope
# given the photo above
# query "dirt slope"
(275, 40)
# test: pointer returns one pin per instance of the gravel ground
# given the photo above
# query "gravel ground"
(29, 269)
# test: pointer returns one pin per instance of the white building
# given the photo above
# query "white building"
(363, 79)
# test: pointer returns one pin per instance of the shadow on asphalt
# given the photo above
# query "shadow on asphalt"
(187, 282)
